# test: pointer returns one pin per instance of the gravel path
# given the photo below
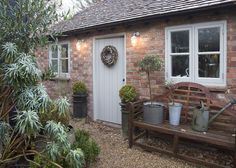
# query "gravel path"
(116, 154)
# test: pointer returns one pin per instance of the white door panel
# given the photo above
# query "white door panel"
(108, 81)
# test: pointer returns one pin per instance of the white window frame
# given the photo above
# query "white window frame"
(59, 74)
(193, 51)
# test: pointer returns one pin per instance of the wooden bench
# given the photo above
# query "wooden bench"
(221, 133)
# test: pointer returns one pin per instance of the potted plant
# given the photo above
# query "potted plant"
(153, 111)
(174, 107)
(127, 94)
(79, 99)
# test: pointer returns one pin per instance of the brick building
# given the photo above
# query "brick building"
(196, 39)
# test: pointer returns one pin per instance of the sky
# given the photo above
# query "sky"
(69, 4)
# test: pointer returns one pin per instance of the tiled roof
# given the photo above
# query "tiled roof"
(112, 11)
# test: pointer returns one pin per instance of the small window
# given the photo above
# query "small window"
(59, 59)
(196, 53)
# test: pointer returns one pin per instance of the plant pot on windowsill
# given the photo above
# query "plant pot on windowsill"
(79, 100)
(127, 94)
(174, 113)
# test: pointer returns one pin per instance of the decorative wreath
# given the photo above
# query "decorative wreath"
(109, 55)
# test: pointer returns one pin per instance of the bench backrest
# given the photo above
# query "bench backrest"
(190, 94)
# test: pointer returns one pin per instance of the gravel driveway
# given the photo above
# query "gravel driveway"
(116, 154)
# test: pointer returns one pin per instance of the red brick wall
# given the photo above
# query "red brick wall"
(152, 36)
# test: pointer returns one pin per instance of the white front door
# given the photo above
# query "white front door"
(108, 81)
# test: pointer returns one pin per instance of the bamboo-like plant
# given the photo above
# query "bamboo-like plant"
(149, 64)
(24, 27)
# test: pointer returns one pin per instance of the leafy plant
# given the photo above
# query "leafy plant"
(79, 87)
(128, 93)
(149, 64)
(89, 147)
(24, 27)
(27, 122)
(170, 86)
(57, 111)
(74, 158)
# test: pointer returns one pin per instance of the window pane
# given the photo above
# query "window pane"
(64, 66)
(54, 51)
(180, 41)
(64, 51)
(180, 66)
(209, 66)
(54, 66)
(209, 39)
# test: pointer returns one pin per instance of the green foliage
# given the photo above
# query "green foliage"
(75, 158)
(151, 63)
(79, 87)
(24, 23)
(27, 122)
(24, 27)
(54, 116)
(52, 150)
(56, 131)
(57, 111)
(71, 159)
(22, 72)
(41, 161)
(148, 64)
(128, 93)
(48, 74)
(62, 104)
(89, 147)
(5, 130)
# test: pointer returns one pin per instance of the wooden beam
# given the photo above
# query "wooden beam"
(175, 144)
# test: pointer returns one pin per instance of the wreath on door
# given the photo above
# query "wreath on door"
(109, 55)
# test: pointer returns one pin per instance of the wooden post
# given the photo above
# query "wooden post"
(235, 148)
(175, 144)
(130, 124)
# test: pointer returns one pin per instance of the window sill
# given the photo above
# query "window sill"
(60, 79)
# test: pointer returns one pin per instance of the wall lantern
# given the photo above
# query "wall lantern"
(80, 45)
(135, 39)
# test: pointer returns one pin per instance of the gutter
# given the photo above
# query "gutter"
(157, 16)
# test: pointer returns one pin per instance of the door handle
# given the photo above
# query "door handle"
(123, 79)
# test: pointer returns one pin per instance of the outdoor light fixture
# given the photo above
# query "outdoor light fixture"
(81, 45)
(134, 39)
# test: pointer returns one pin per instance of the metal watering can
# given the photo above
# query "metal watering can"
(201, 119)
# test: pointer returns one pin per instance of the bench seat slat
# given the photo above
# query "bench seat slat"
(225, 141)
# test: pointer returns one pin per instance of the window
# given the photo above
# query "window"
(196, 53)
(59, 59)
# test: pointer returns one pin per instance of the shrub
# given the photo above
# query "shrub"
(89, 147)
(44, 117)
(79, 87)
(57, 111)
(128, 93)
(41, 161)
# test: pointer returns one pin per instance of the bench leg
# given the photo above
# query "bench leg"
(146, 133)
(175, 144)
(234, 159)
(235, 149)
